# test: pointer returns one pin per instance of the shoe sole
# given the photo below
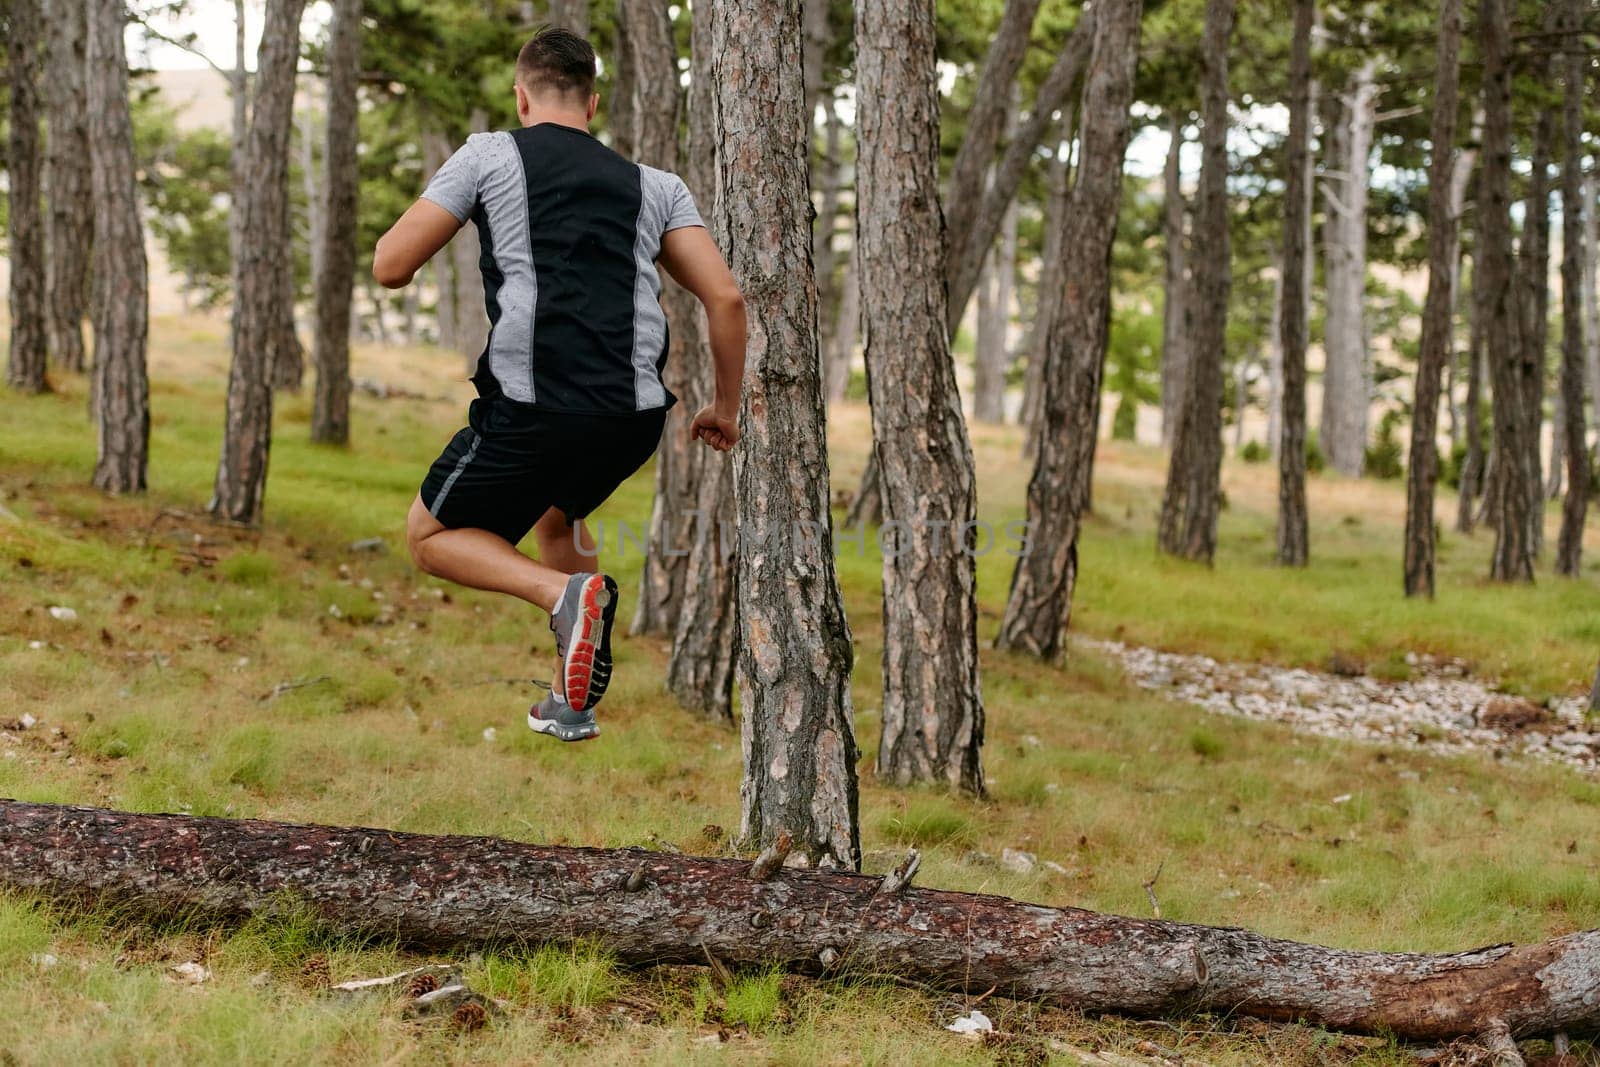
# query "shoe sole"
(591, 642)
(561, 731)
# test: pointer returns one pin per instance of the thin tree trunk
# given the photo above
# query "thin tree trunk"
(1591, 287)
(818, 38)
(571, 15)
(1554, 480)
(971, 228)
(457, 893)
(258, 311)
(1049, 292)
(932, 708)
(1472, 467)
(842, 361)
(655, 65)
(380, 303)
(1437, 325)
(1192, 499)
(1347, 383)
(1513, 549)
(1569, 546)
(866, 507)
(1275, 370)
(330, 411)
(1460, 178)
(29, 311)
(1294, 537)
(798, 727)
(472, 315)
(122, 297)
(624, 119)
(1039, 608)
(313, 183)
(1531, 279)
(992, 362)
(829, 169)
(68, 180)
(1174, 311)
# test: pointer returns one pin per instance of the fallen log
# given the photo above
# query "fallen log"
(649, 907)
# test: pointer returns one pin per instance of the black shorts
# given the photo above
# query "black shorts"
(514, 462)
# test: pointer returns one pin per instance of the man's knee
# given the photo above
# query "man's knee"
(420, 527)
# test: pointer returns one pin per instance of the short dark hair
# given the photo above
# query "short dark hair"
(559, 61)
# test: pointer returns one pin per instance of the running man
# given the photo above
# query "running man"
(570, 397)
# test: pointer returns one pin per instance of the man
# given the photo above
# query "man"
(570, 397)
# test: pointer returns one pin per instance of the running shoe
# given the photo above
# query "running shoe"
(582, 626)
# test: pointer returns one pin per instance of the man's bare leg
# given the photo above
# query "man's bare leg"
(479, 559)
(559, 544)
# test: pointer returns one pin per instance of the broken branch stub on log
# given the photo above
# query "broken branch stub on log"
(457, 892)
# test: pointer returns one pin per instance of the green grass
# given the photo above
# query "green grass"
(278, 673)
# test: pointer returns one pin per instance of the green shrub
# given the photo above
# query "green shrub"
(1255, 452)
(1316, 462)
(1385, 459)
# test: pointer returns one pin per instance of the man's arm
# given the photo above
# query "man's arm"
(694, 262)
(412, 241)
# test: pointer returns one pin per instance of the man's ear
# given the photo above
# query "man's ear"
(594, 105)
(523, 103)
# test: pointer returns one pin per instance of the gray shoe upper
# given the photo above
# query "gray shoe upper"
(559, 711)
(565, 620)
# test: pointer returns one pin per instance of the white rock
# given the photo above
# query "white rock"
(1342, 798)
(488, 733)
(1014, 859)
(44, 960)
(28, 721)
(63, 614)
(36, 645)
(973, 1024)
(193, 973)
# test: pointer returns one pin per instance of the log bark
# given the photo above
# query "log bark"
(1192, 498)
(1347, 379)
(122, 294)
(932, 707)
(330, 409)
(1039, 607)
(1569, 546)
(1512, 560)
(796, 654)
(1294, 538)
(457, 893)
(655, 67)
(705, 648)
(71, 199)
(258, 271)
(1437, 314)
(29, 312)
(1174, 310)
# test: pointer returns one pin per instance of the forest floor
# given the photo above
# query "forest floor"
(294, 673)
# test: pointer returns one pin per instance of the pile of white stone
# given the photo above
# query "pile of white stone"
(1439, 709)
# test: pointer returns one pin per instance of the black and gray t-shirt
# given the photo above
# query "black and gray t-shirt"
(570, 232)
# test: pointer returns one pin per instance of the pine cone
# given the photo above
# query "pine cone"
(422, 983)
(314, 971)
(469, 1015)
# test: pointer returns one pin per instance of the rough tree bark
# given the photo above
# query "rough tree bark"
(829, 169)
(1513, 548)
(1531, 282)
(1039, 607)
(1048, 293)
(1191, 501)
(798, 727)
(846, 330)
(655, 66)
(992, 357)
(257, 272)
(932, 707)
(455, 893)
(330, 409)
(30, 315)
(818, 30)
(1569, 546)
(122, 295)
(1472, 467)
(1591, 286)
(571, 14)
(1174, 311)
(71, 200)
(1346, 379)
(623, 121)
(1294, 539)
(1437, 320)
(967, 235)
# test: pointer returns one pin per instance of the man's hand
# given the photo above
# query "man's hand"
(719, 431)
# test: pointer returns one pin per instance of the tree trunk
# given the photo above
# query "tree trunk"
(1513, 549)
(1591, 287)
(1193, 494)
(971, 175)
(1347, 378)
(122, 294)
(1472, 467)
(1275, 369)
(571, 15)
(71, 200)
(795, 658)
(975, 217)
(818, 31)
(1294, 538)
(1048, 294)
(992, 355)
(1554, 480)
(1174, 311)
(624, 119)
(655, 66)
(932, 709)
(457, 893)
(843, 342)
(705, 647)
(1531, 280)
(472, 316)
(258, 270)
(1569, 546)
(1039, 607)
(30, 315)
(330, 410)
(1437, 320)
(828, 173)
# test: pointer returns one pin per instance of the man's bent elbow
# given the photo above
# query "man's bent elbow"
(388, 273)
